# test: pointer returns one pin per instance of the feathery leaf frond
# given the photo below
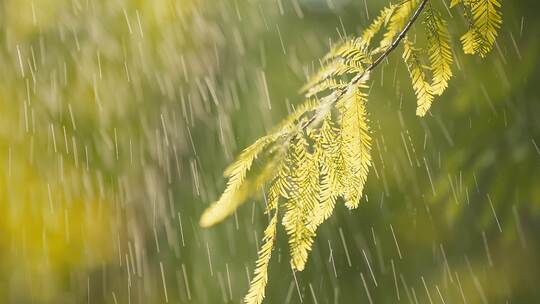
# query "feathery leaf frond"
(301, 209)
(349, 50)
(257, 285)
(238, 187)
(347, 58)
(235, 194)
(472, 42)
(330, 163)
(397, 21)
(487, 18)
(422, 88)
(439, 50)
(484, 23)
(330, 84)
(375, 27)
(356, 143)
(237, 171)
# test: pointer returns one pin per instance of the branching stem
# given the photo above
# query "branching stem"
(377, 61)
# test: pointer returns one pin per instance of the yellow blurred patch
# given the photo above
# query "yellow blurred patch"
(50, 225)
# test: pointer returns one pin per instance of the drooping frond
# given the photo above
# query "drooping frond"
(329, 84)
(356, 143)
(302, 206)
(258, 283)
(472, 42)
(238, 187)
(350, 50)
(330, 140)
(348, 58)
(237, 171)
(421, 86)
(381, 20)
(487, 18)
(397, 21)
(327, 196)
(331, 69)
(289, 123)
(275, 190)
(439, 50)
(484, 23)
(330, 162)
(235, 194)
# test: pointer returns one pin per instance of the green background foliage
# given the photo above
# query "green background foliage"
(118, 117)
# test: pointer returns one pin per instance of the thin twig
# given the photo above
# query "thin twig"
(398, 39)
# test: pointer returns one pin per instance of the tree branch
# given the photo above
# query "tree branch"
(377, 61)
(398, 39)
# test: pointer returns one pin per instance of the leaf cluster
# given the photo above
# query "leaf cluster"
(321, 153)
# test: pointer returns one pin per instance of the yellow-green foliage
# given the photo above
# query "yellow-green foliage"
(321, 153)
(377, 24)
(439, 50)
(346, 58)
(422, 88)
(240, 186)
(397, 21)
(258, 283)
(485, 19)
(355, 144)
(301, 208)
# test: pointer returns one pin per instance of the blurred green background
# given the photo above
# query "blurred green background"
(118, 118)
